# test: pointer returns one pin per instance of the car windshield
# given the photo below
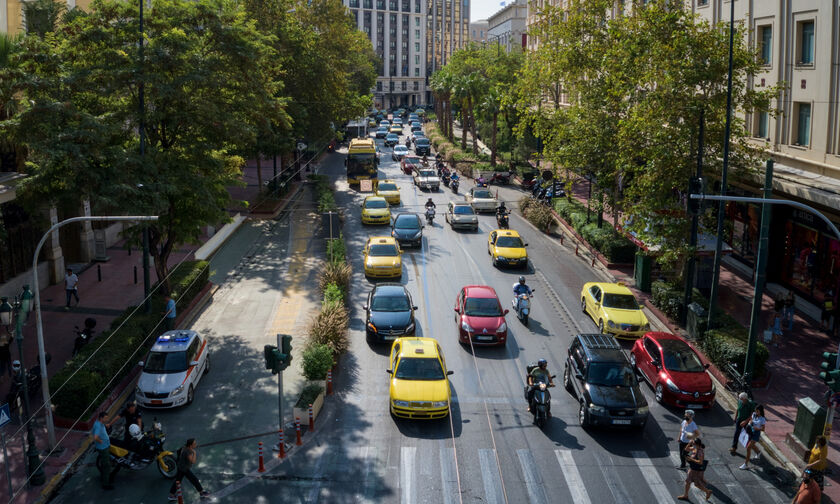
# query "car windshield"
(412, 161)
(482, 194)
(680, 357)
(383, 128)
(390, 304)
(407, 222)
(509, 242)
(419, 368)
(391, 136)
(482, 307)
(400, 148)
(376, 204)
(387, 187)
(611, 374)
(620, 301)
(422, 141)
(383, 249)
(427, 173)
(166, 362)
(464, 210)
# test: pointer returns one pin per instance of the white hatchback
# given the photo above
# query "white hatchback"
(176, 363)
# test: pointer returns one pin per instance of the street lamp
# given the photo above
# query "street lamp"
(16, 314)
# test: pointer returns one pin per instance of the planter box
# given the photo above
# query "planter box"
(317, 404)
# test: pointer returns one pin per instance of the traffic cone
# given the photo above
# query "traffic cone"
(281, 446)
(297, 432)
(178, 492)
(262, 465)
(311, 419)
(329, 382)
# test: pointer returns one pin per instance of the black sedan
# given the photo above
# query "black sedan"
(407, 229)
(390, 313)
(392, 139)
(422, 146)
(381, 132)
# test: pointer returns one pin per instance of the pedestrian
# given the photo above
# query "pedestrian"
(777, 328)
(818, 460)
(809, 491)
(696, 467)
(789, 308)
(745, 409)
(71, 287)
(754, 426)
(688, 431)
(827, 310)
(186, 459)
(102, 444)
(132, 416)
(169, 313)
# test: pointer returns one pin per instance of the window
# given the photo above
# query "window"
(379, 85)
(392, 5)
(417, 47)
(416, 84)
(416, 59)
(806, 43)
(368, 4)
(354, 3)
(416, 72)
(406, 5)
(482, 33)
(702, 3)
(417, 21)
(405, 86)
(392, 85)
(762, 125)
(380, 4)
(803, 123)
(417, 34)
(765, 41)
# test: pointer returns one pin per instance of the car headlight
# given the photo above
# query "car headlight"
(502, 328)
(371, 327)
(409, 328)
(644, 410)
(138, 391)
(611, 323)
(714, 388)
(401, 404)
(597, 409)
(177, 391)
(466, 327)
(440, 404)
(672, 386)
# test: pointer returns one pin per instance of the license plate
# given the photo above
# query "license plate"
(484, 338)
(157, 401)
(388, 338)
(692, 406)
(621, 421)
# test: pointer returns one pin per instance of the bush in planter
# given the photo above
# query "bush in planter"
(335, 273)
(337, 250)
(729, 344)
(525, 202)
(308, 395)
(333, 294)
(329, 327)
(317, 360)
(540, 216)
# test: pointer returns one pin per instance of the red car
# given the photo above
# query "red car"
(410, 164)
(674, 370)
(480, 317)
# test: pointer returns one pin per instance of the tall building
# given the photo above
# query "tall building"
(478, 31)
(11, 14)
(507, 27)
(534, 9)
(447, 30)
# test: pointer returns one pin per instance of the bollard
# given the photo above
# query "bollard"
(329, 382)
(311, 419)
(178, 493)
(262, 465)
(281, 446)
(99, 271)
(135, 275)
(561, 238)
(576, 249)
(593, 261)
(297, 432)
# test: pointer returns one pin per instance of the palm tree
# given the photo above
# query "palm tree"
(492, 105)
(473, 83)
(461, 92)
(11, 152)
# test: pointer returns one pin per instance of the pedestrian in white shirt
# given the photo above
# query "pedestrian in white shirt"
(71, 287)
(754, 427)
(688, 431)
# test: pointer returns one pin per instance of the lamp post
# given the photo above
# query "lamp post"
(17, 314)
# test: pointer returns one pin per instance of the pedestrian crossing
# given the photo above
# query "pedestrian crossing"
(427, 471)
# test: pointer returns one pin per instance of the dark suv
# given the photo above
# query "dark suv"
(598, 373)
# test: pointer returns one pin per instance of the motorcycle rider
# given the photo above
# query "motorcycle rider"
(520, 288)
(501, 210)
(430, 204)
(537, 375)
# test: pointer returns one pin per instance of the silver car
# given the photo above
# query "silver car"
(482, 200)
(461, 215)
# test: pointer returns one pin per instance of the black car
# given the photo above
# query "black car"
(381, 132)
(599, 374)
(422, 146)
(407, 229)
(391, 140)
(390, 313)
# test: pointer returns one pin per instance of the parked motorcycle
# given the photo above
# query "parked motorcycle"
(522, 306)
(83, 336)
(540, 403)
(502, 219)
(529, 185)
(454, 185)
(33, 382)
(430, 215)
(145, 451)
(499, 178)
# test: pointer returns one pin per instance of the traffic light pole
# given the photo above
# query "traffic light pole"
(280, 386)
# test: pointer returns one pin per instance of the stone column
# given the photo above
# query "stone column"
(86, 245)
(52, 250)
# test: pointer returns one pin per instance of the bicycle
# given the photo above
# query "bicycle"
(740, 382)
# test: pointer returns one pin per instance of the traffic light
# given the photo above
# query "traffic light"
(270, 352)
(831, 375)
(696, 185)
(286, 343)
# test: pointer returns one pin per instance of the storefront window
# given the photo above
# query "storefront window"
(742, 230)
(811, 257)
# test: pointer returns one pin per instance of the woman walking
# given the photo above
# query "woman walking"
(754, 426)
(696, 467)
(186, 459)
(688, 431)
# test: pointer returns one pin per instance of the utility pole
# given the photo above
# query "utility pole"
(147, 304)
(760, 271)
(692, 239)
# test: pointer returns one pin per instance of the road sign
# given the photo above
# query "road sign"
(366, 185)
(5, 414)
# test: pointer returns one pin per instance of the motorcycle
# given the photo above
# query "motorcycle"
(499, 178)
(528, 185)
(481, 182)
(147, 450)
(522, 306)
(430, 215)
(454, 185)
(502, 220)
(83, 336)
(445, 178)
(540, 403)
(33, 383)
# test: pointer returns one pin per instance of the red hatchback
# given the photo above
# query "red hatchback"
(674, 370)
(480, 317)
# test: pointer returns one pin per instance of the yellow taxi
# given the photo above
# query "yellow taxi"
(383, 257)
(388, 190)
(506, 248)
(375, 210)
(419, 384)
(614, 308)
(396, 128)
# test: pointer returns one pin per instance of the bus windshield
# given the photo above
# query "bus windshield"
(361, 166)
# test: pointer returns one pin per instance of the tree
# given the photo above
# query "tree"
(12, 150)
(492, 105)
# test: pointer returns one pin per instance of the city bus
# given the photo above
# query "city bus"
(361, 160)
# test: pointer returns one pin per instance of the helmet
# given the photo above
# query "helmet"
(522, 280)
(135, 432)
(542, 362)
(16, 365)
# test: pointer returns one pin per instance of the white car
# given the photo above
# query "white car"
(482, 200)
(176, 363)
(400, 151)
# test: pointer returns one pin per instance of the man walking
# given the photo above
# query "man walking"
(102, 445)
(745, 409)
(169, 313)
(186, 459)
(71, 287)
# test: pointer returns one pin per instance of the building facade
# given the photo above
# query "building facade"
(447, 30)
(508, 26)
(11, 14)
(478, 31)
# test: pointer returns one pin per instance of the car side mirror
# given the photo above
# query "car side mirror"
(389, 371)
(450, 373)
(413, 307)
(506, 312)
(641, 307)
(706, 365)
(365, 307)
(141, 363)
(194, 363)
(578, 375)
(526, 244)
(457, 310)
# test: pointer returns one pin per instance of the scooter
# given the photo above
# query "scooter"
(499, 178)
(522, 306)
(149, 449)
(481, 182)
(502, 220)
(540, 404)
(83, 336)
(430, 215)
(454, 185)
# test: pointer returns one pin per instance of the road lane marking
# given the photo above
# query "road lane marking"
(608, 470)
(448, 478)
(651, 475)
(533, 482)
(492, 486)
(370, 458)
(407, 459)
(570, 472)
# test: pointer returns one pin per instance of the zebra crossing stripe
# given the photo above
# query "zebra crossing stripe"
(489, 476)
(570, 472)
(651, 476)
(448, 478)
(607, 466)
(407, 458)
(533, 482)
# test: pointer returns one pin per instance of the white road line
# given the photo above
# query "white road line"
(533, 482)
(570, 472)
(489, 476)
(448, 478)
(407, 459)
(370, 455)
(608, 470)
(651, 475)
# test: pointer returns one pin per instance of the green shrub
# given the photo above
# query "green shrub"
(333, 294)
(729, 345)
(337, 250)
(326, 202)
(308, 395)
(538, 214)
(329, 327)
(317, 360)
(337, 274)
(525, 203)
(667, 298)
